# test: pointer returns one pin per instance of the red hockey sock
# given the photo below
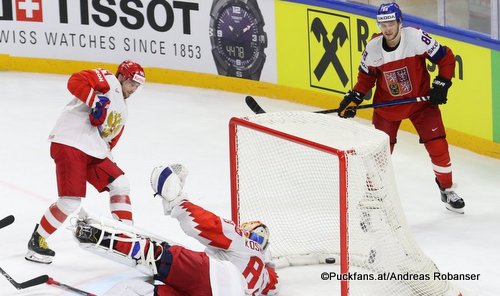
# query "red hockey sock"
(51, 220)
(121, 208)
(440, 157)
(57, 213)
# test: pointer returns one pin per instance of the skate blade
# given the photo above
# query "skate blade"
(450, 208)
(35, 257)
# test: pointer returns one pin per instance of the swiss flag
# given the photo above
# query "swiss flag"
(29, 10)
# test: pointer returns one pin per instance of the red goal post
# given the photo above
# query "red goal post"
(326, 189)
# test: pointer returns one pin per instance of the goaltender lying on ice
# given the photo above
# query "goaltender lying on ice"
(234, 261)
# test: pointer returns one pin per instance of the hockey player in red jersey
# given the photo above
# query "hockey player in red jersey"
(81, 142)
(395, 62)
(233, 262)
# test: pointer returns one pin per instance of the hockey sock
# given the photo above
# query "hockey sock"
(441, 163)
(121, 209)
(56, 214)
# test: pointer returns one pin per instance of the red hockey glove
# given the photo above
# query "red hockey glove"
(439, 91)
(351, 100)
(98, 114)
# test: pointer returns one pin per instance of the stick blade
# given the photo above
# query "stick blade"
(34, 282)
(6, 221)
(253, 105)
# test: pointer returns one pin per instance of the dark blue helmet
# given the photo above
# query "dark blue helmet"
(389, 12)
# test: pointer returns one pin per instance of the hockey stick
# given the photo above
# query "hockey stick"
(6, 221)
(29, 283)
(51, 281)
(257, 109)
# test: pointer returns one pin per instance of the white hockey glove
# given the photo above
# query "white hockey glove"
(168, 182)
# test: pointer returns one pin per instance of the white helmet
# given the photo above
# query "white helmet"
(256, 231)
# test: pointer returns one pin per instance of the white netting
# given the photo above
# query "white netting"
(293, 183)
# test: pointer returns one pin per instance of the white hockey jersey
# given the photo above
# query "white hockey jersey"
(73, 127)
(228, 250)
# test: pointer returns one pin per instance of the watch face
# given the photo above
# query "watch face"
(237, 37)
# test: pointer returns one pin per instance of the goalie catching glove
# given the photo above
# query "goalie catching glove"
(168, 182)
(99, 112)
(347, 108)
(439, 91)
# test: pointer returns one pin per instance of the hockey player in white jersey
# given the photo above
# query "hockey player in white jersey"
(233, 262)
(89, 127)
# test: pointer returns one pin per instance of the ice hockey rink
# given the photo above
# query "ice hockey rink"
(170, 123)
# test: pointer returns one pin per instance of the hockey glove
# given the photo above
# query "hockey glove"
(439, 91)
(98, 114)
(351, 100)
(168, 182)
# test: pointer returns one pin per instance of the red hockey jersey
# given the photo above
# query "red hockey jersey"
(401, 72)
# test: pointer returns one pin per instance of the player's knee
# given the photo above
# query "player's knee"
(120, 186)
(68, 204)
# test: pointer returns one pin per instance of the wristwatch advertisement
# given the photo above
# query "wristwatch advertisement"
(237, 37)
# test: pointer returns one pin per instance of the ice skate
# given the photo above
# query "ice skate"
(453, 202)
(38, 250)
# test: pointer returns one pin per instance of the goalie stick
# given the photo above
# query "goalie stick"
(6, 221)
(29, 283)
(257, 109)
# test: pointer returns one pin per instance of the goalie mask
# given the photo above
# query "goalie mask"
(256, 231)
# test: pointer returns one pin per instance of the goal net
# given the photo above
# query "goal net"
(325, 188)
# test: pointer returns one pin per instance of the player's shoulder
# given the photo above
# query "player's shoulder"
(419, 41)
(110, 78)
(375, 39)
(413, 33)
(372, 55)
(375, 43)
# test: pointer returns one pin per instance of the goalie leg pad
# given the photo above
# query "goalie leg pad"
(119, 242)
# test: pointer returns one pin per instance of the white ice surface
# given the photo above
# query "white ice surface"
(189, 125)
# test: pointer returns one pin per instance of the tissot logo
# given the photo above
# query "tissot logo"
(160, 15)
(26, 10)
(329, 51)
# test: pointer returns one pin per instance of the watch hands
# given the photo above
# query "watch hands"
(245, 29)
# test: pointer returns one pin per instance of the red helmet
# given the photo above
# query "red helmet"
(132, 70)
